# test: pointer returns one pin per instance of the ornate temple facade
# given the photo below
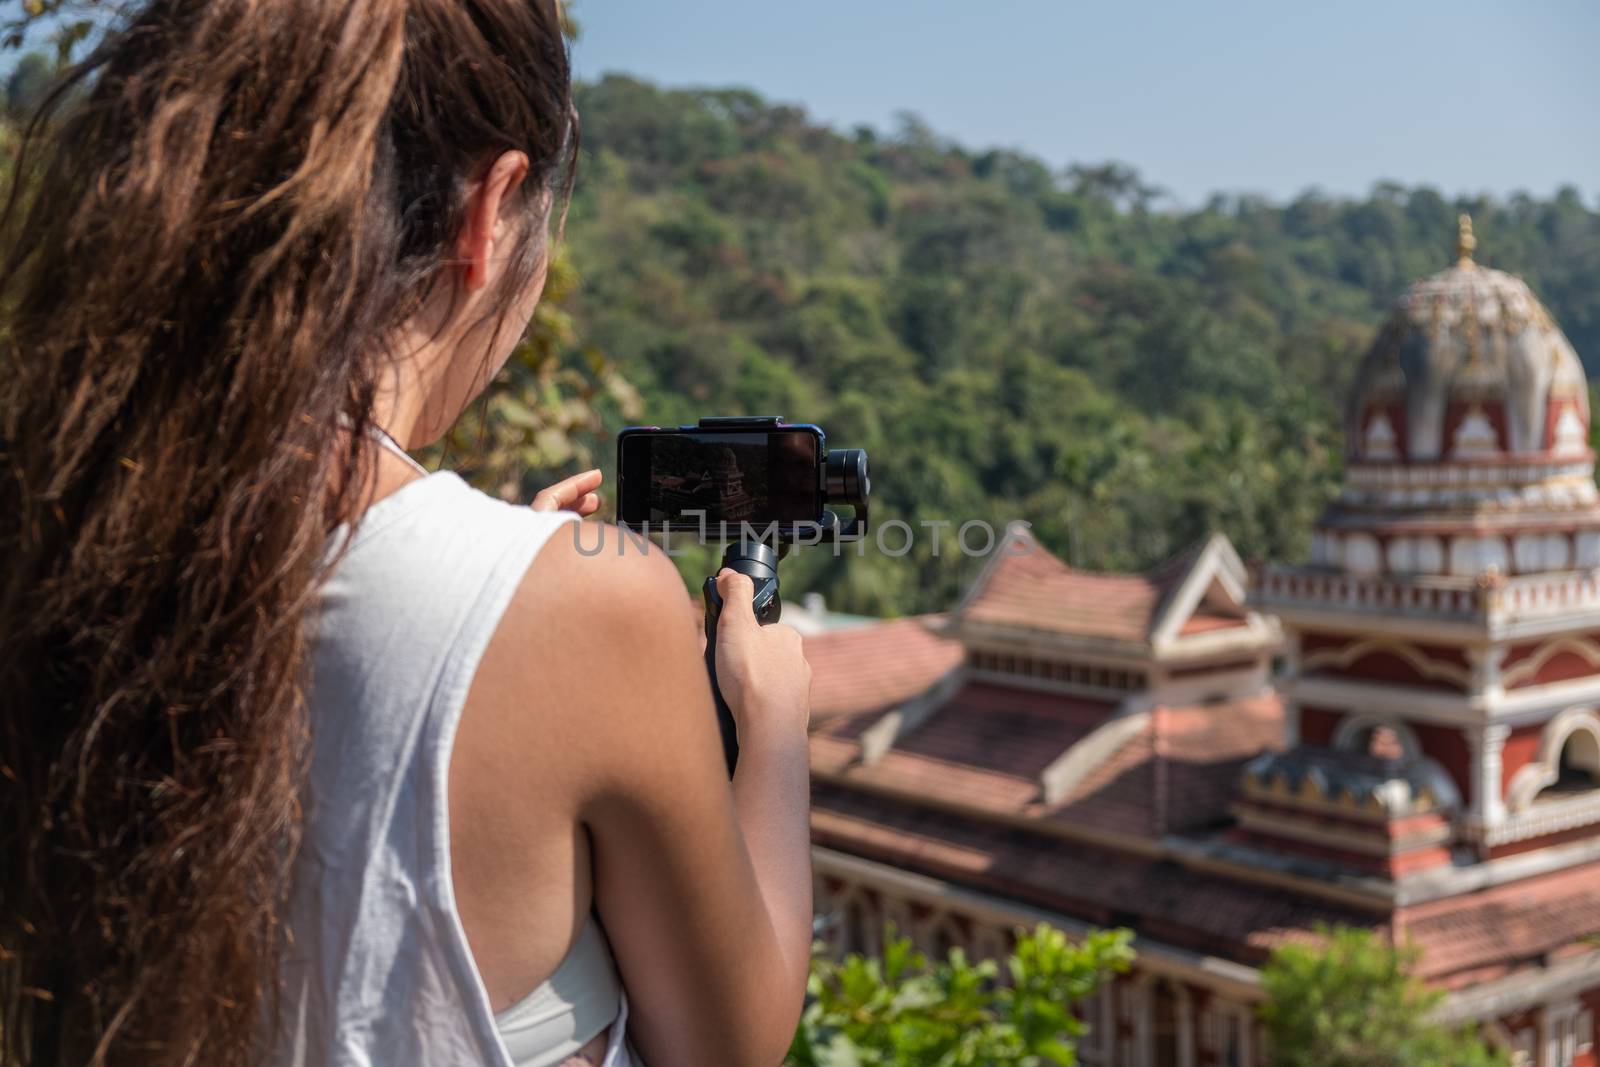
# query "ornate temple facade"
(1400, 734)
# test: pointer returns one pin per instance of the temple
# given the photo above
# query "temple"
(1399, 734)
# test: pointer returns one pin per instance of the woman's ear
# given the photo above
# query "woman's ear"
(484, 232)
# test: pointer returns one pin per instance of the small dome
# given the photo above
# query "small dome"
(1470, 367)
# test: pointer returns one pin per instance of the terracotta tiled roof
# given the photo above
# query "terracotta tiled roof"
(1105, 886)
(1500, 930)
(875, 667)
(1517, 922)
(1027, 587)
(1181, 772)
(988, 745)
(1040, 592)
(996, 728)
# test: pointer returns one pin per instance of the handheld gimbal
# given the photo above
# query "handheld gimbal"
(844, 480)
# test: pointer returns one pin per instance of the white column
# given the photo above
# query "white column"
(1488, 806)
(1486, 669)
(1186, 1041)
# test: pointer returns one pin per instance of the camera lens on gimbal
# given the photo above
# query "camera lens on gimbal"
(846, 480)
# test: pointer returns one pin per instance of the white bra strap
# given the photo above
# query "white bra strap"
(379, 434)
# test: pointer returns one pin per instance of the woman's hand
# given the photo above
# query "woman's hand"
(576, 493)
(761, 670)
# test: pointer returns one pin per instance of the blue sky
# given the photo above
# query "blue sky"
(1471, 96)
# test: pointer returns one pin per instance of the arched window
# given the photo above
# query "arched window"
(1577, 769)
(1567, 766)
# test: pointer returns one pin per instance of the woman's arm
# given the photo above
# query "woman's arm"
(704, 890)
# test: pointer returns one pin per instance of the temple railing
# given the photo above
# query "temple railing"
(1486, 598)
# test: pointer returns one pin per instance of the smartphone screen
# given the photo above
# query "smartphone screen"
(689, 478)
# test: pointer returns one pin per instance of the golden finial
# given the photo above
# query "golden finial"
(1465, 242)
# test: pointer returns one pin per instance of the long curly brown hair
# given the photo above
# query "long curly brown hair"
(215, 227)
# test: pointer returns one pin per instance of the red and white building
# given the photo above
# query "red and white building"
(1117, 750)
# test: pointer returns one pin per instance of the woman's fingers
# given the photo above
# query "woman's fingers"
(571, 494)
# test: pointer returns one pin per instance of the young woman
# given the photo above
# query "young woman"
(307, 756)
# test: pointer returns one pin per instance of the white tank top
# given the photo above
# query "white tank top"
(378, 973)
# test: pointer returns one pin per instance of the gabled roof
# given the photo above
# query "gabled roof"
(993, 749)
(1025, 588)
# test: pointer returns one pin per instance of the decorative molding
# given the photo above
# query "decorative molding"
(1068, 770)
(1217, 564)
(1347, 655)
(1519, 707)
(1503, 471)
(1529, 668)
(1338, 839)
(1420, 785)
(1544, 819)
(893, 725)
(1478, 608)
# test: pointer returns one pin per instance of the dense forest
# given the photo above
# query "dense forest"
(1010, 341)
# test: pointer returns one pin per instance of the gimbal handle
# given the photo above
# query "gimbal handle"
(760, 562)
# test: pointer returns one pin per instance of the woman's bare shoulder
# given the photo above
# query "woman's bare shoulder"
(597, 643)
(588, 559)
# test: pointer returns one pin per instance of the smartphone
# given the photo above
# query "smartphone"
(722, 471)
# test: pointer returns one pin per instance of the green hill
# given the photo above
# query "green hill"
(1009, 341)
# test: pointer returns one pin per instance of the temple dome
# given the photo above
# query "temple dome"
(1470, 367)
(1467, 439)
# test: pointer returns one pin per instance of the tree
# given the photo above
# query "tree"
(1353, 1002)
(902, 1009)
